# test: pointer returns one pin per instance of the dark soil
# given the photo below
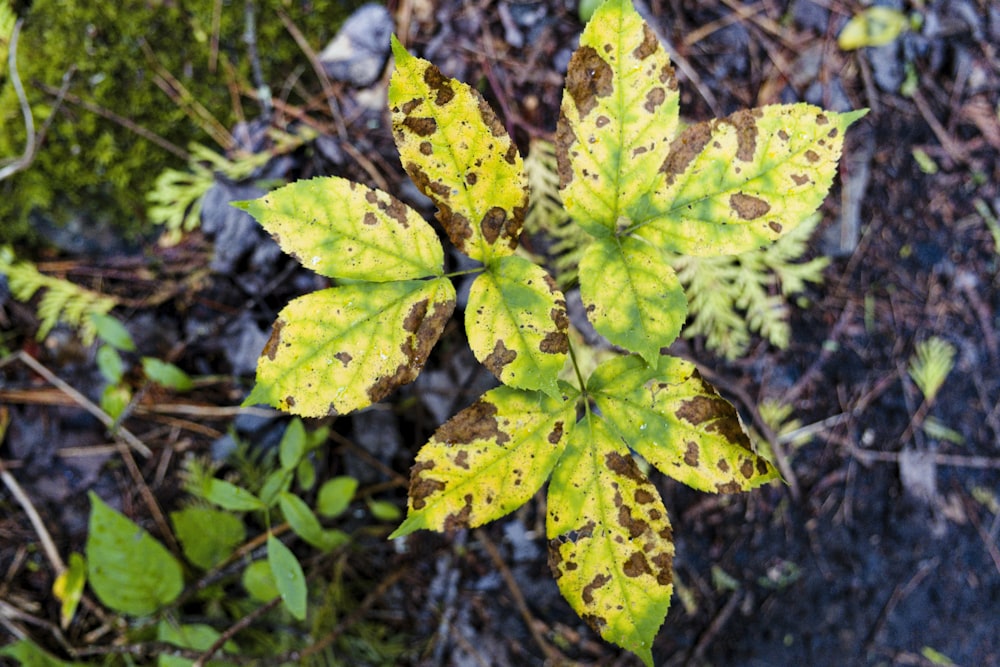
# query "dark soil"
(883, 551)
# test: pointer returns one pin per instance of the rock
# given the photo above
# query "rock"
(357, 55)
(236, 232)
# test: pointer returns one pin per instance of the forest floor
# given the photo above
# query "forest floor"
(881, 550)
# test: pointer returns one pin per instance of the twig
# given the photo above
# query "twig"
(148, 498)
(988, 541)
(552, 656)
(898, 595)
(232, 631)
(80, 400)
(716, 626)
(250, 39)
(29, 120)
(48, 545)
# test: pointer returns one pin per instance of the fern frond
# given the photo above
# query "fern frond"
(62, 301)
(931, 364)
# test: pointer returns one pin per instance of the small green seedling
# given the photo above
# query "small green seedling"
(643, 191)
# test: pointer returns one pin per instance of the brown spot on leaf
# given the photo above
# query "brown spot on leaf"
(783, 135)
(554, 342)
(411, 105)
(598, 581)
(420, 126)
(745, 123)
(624, 465)
(812, 155)
(748, 207)
(800, 179)
(476, 422)
(602, 121)
(588, 78)
(426, 148)
(746, 468)
(648, 45)
(440, 84)
(832, 133)
(416, 315)
(471, 178)
(498, 358)
(691, 454)
(369, 219)
(762, 466)
(821, 119)
(684, 149)
(489, 118)
(722, 465)
(775, 226)
(290, 401)
(596, 623)
(462, 459)
(459, 519)
(636, 565)
(634, 526)
(420, 486)
(564, 140)
(343, 357)
(271, 347)
(728, 487)
(644, 497)
(664, 568)
(654, 98)
(556, 434)
(492, 224)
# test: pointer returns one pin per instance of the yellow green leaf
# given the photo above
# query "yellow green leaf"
(342, 229)
(344, 348)
(459, 154)
(68, 588)
(516, 324)
(487, 460)
(874, 26)
(632, 296)
(619, 112)
(677, 421)
(610, 543)
(736, 184)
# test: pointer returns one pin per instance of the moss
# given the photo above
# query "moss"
(92, 169)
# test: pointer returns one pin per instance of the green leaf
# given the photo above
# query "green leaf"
(288, 577)
(384, 510)
(110, 364)
(127, 568)
(166, 374)
(678, 423)
(259, 581)
(29, 654)
(344, 348)
(335, 496)
(276, 482)
(735, 184)
(195, 636)
(487, 460)
(610, 543)
(231, 497)
(208, 536)
(305, 473)
(112, 331)
(305, 524)
(293, 444)
(632, 296)
(874, 26)
(459, 154)
(342, 229)
(618, 114)
(516, 324)
(68, 588)
(115, 398)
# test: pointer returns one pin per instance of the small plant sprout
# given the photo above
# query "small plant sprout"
(643, 191)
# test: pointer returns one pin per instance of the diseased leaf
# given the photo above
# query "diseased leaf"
(342, 229)
(610, 543)
(679, 423)
(459, 154)
(129, 570)
(619, 112)
(344, 348)
(738, 183)
(68, 588)
(516, 324)
(632, 296)
(873, 26)
(487, 460)
(288, 577)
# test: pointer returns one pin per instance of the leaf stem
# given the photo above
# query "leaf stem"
(576, 369)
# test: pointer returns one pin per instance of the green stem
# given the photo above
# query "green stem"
(576, 369)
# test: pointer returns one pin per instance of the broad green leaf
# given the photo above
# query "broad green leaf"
(110, 363)
(288, 577)
(678, 423)
(231, 497)
(632, 296)
(342, 229)
(335, 496)
(293, 444)
(487, 460)
(384, 510)
(305, 524)
(197, 636)
(113, 332)
(68, 588)
(127, 568)
(516, 324)
(736, 184)
(259, 582)
(305, 473)
(344, 348)
(29, 654)
(277, 481)
(208, 536)
(619, 112)
(874, 26)
(166, 374)
(115, 398)
(610, 542)
(459, 154)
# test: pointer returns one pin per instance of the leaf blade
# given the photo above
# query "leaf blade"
(516, 323)
(344, 348)
(459, 154)
(631, 295)
(288, 577)
(342, 229)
